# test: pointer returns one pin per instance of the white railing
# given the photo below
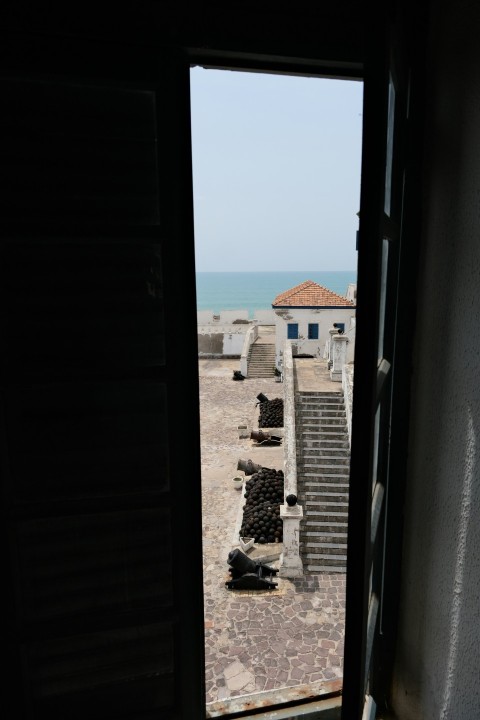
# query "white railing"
(347, 386)
(250, 337)
(290, 561)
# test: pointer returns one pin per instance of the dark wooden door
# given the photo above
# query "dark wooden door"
(388, 239)
(102, 593)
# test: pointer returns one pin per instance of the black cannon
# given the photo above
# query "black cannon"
(246, 574)
(248, 467)
(264, 437)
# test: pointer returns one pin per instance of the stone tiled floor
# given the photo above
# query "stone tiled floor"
(255, 640)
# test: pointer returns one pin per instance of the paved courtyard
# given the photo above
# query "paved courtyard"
(255, 640)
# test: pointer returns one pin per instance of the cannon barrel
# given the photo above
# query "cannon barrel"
(248, 467)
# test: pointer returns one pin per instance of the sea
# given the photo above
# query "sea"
(217, 291)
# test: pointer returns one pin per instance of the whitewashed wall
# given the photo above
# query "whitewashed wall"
(261, 317)
(264, 317)
(350, 333)
(221, 339)
(304, 316)
(233, 343)
(225, 317)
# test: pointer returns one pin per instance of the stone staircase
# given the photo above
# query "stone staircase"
(323, 466)
(261, 360)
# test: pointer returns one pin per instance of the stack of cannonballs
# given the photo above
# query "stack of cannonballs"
(261, 513)
(271, 413)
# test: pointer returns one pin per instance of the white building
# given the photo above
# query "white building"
(306, 313)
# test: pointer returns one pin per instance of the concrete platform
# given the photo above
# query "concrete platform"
(312, 375)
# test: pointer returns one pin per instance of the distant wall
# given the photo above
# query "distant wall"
(261, 317)
(264, 317)
(208, 317)
(221, 340)
(223, 334)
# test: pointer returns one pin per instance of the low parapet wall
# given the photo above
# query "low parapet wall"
(259, 317)
(221, 340)
(347, 386)
(250, 337)
(290, 562)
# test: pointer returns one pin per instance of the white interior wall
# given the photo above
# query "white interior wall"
(437, 668)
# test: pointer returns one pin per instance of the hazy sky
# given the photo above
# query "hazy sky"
(276, 169)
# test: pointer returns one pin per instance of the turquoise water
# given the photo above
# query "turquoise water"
(251, 291)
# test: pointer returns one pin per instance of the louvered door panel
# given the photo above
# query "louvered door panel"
(93, 251)
(376, 365)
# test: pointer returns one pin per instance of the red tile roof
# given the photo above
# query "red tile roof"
(310, 294)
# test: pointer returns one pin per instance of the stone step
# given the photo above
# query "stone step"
(311, 485)
(321, 537)
(325, 455)
(304, 539)
(304, 412)
(315, 507)
(336, 439)
(339, 447)
(302, 399)
(327, 488)
(314, 433)
(326, 497)
(327, 558)
(335, 449)
(320, 422)
(323, 468)
(326, 569)
(320, 405)
(311, 476)
(260, 375)
(321, 526)
(322, 457)
(325, 517)
(332, 548)
(320, 419)
(337, 492)
(326, 432)
(328, 401)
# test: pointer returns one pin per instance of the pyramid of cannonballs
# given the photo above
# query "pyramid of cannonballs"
(271, 413)
(261, 512)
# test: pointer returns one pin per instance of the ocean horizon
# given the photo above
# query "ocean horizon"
(217, 291)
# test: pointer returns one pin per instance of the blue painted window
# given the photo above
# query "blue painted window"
(313, 331)
(292, 331)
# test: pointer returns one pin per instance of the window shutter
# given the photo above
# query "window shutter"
(102, 608)
(380, 374)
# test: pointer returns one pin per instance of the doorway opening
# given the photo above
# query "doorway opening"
(276, 170)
